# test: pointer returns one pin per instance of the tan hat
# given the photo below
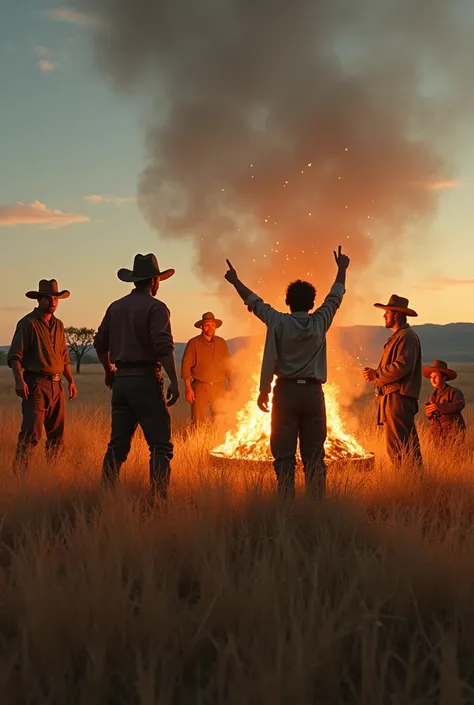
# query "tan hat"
(48, 287)
(439, 366)
(144, 267)
(208, 317)
(397, 303)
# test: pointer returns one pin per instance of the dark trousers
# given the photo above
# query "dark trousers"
(298, 411)
(206, 397)
(401, 436)
(139, 400)
(45, 407)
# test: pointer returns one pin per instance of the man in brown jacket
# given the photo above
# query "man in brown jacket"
(205, 369)
(39, 358)
(398, 382)
(133, 343)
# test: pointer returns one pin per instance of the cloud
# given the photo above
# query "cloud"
(115, 200)
(37, 214)
(440, 283)
(44, 56)
(442, 184)
(71, 16)
(46, 65)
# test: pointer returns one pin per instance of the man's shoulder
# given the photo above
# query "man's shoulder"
(27, 319)
(408, 334)
(220, 339)
(194, 340)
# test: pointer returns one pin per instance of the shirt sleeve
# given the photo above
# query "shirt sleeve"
(226, 358)
(261, 310)
(454, 405)
(160, 331)
(326, 312)
(102, 337)
(403, 364)
(21, 342)
(188, 361)
(66, 358)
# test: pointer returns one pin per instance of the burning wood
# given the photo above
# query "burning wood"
(251, 439)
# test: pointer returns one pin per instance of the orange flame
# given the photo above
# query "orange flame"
(251, 439)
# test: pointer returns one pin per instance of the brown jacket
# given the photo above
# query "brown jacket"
(400, 366)
(449, 403)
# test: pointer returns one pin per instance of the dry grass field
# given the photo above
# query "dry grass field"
(226, 595)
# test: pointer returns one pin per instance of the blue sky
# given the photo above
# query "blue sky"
(66, 137)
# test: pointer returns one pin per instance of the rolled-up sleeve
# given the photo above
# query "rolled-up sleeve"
(20, 343)
(160, 331)
(261, 310)
(188, 361)
(102, 337)
(66, 358)
(326, 312)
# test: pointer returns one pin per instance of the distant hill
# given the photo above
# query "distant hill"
(453, 342)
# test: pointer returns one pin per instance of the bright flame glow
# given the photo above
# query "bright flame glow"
(251, 439)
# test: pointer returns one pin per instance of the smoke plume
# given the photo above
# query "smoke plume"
(281, 129)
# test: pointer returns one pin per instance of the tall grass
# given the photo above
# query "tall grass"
(228, 595)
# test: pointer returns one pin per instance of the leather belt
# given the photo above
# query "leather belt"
(299, 380)
(43, 375)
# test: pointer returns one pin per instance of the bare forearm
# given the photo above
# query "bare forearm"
(341, 276)
(169, 364)
(68, 374)
(243, 291)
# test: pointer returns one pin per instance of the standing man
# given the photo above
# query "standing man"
(39, 358)
(398, 382)
(135, 337)
(295, 351)
(205, 369)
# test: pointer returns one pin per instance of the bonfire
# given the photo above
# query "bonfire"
(250, 440)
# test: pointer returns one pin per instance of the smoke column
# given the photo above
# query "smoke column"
(280, 129)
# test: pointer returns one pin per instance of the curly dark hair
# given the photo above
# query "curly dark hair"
(300, 296)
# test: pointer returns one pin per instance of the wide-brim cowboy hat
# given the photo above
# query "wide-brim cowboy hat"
(397, 303)
(144, 267)
(48, 287)
(439, 366)
(206, 317)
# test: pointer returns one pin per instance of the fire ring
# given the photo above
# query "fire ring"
(356, 463)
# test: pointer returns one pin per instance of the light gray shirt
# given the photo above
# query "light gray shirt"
(295, 344)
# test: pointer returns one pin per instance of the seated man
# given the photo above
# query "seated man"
(444, 407)
(295, 351)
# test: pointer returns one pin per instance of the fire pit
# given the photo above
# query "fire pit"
(248, 446)
(220, 461)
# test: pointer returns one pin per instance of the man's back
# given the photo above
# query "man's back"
(136, 328)
(296, 342)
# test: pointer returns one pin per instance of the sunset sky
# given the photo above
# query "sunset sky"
(72, 151)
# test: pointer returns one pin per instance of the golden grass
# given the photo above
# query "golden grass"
(228, 596)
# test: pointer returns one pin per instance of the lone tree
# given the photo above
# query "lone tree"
(79, 342)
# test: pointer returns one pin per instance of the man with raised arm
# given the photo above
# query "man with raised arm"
(295, 352)
(133, 343)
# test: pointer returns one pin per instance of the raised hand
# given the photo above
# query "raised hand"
(231, 274)
(342, 260)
